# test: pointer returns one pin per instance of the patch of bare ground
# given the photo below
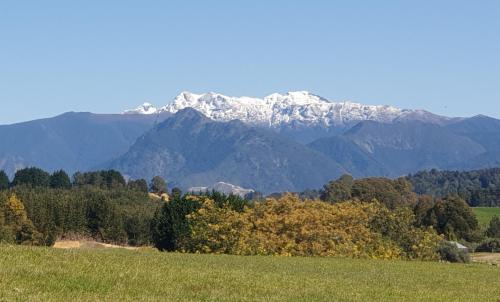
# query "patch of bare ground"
(490, 258)
(88, 244)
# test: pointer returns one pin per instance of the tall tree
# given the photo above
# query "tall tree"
(450, 216)
(4, 180)
(138, 185)
(170, 226)
(60, 180)
(338, 190)
(493, 230)
(158, 185)
(33, 177)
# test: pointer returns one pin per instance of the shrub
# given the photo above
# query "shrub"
(451, 253)
(290, 227)
(489, 246)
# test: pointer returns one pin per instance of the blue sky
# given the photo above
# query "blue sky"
(106, 56)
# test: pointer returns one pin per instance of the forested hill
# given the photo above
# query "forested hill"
(478, 188)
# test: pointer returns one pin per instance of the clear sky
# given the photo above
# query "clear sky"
(106, 56)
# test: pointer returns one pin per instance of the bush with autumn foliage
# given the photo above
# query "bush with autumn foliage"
(289, 226)
(15, 226)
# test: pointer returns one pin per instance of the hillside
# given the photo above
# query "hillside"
(71, 141)
(192, 150)
(382, 149)
(45, 274)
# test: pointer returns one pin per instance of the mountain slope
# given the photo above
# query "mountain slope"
(71, 141)
(191, 150)
(481, 129)
(355, 160)
(374, 149)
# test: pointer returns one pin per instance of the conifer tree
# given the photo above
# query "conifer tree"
(60, 180)
(4, 181)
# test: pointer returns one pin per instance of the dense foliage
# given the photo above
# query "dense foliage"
(449, 216)
(493, 230)
(15, 226)
(289, 226)
(366, 218)
(477, 188)
(117, 215)
(100, 205)
(170, 227)
(392, 193)
(489, 246)
(4, 181)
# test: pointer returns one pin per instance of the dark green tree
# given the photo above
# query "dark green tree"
(108, 179)
(138, 185)
(33, 177)
(477, 188)
(338, 190)
(176, 192)
(493, 230)
(60, 180)
(170, 225)
(391, 193)
(113, 179)
(451, 217)
(4, 180)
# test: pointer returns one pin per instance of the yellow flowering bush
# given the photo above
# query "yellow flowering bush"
(291, 227)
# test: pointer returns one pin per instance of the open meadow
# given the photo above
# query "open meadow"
(484, 214)
(47, 274)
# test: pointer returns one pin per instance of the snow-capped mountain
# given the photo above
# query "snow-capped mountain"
(145, 108)
(299, 108)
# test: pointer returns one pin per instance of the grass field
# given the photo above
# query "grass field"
(485, 214)
(45, 274)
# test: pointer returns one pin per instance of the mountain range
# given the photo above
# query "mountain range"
(282, 142)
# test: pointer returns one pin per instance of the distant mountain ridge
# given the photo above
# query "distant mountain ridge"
(71, 141)
(378, 149)
(284, 142)
(293, 113)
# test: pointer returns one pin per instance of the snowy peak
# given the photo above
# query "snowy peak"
(298, 108)
(145, 108)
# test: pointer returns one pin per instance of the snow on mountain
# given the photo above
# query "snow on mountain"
(222, 187)
(300, 108)
(145, 108)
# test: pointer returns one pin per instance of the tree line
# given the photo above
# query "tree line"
(37, 207)
(371, 217)
(477, 188)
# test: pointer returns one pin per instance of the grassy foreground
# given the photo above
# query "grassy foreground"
(45, 274)
(484, 214)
